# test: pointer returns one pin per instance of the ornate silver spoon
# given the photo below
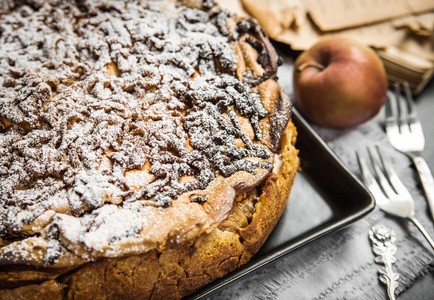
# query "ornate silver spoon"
(383, 245)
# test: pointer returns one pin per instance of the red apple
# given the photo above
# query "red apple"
(339, 83)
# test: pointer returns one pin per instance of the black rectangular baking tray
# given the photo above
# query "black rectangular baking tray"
(325, 197)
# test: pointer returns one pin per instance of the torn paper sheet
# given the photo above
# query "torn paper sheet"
(276, 15)
(379, 35)
(422, 25)
(331, 15)
(235, 7)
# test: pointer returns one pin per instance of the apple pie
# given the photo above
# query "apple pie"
(146, 148)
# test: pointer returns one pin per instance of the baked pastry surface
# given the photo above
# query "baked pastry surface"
(143, 150)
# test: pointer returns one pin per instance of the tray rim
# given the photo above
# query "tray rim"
(304, 239)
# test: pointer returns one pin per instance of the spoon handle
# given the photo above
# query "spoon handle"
(422, 229)
(383, 245)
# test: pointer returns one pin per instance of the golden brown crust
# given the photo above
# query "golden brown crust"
(46, 290)
(181, 269)
(197, 241)
(169, 155)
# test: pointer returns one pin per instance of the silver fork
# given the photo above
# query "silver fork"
(389, 192)
(405, 133)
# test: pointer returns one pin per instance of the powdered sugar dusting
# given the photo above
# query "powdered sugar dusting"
(92, 91)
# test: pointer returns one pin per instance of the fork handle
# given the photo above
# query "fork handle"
(422, 229)
(427, 181)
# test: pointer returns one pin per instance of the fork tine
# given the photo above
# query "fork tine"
(370, 182)
(383, 181)
(367, 177)
(391, 174)
(391, 112)
(413, 120)
(412, 115)
(402, 106)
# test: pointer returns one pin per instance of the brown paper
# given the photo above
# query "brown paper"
(235, 7)
(276, 15)
(342, 14)
(405, 43)
(422, 25)
(379, 36)
(301, 33)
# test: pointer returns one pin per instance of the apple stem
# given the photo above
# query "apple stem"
(309, 65)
